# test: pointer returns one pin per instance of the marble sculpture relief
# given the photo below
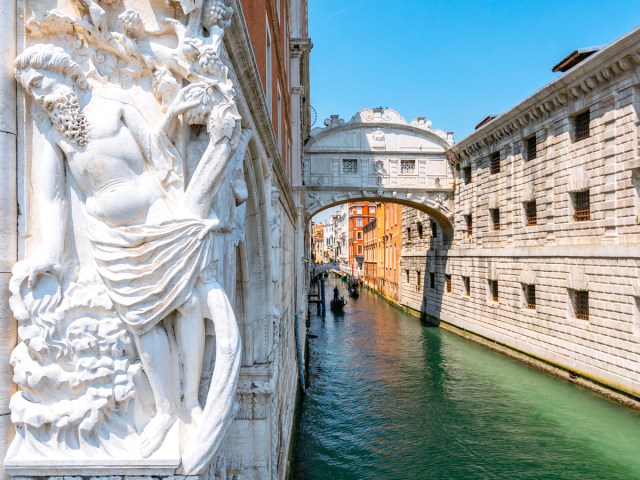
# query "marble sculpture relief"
(135, 191)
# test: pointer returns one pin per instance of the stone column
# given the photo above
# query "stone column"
(8, 214)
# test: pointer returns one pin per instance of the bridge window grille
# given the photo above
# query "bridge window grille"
(532, 147)
(466, 175)
(350, 166)
(407, 167)
(493, 288)
(530, 296)
(581, 304)
(469, 221)
(495, 163)
(495, 218)
(466, 281)
(432, 280)
(581, 125)
(582, 206)
(447, 283)
(530, 211)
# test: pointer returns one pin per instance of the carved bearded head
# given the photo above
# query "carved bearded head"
(49, 75)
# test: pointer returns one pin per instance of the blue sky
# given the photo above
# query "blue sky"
(454, 62)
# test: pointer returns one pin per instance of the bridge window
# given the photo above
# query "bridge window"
(495, 218)
(529, 296)
(581, 206)
(447, 283)
(580, 303)
(407, 167)
(581, 126)
(531, 213)
(466, 174)
(469, 221)
(434, 228)
(495, 163)
(350, 166)
(532, 147)
(419, 228)
(466, 281)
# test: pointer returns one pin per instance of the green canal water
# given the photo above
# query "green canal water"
(391, 399)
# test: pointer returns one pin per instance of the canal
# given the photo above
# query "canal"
(391, 399)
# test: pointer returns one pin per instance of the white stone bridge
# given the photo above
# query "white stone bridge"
(379, 156)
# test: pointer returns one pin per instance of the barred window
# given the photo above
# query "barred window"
(469, 221)
(432, 280)
(447, 283)
(434, 228)
(581, 125)
(530, 211)
(532, 147)
(495, 163)
(466, 281)
(407, 167)
(530, 296)
(493, 289)
(581, 304)
(466, 175)
(350, 166)
(419, 228)
(408, 277)
(495, 218)
(418, 281)
(408, 234)
(582, 206)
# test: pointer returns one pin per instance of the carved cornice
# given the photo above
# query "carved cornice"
(597, 72)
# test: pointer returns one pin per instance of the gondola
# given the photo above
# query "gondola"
(337, 304)
(353, 290)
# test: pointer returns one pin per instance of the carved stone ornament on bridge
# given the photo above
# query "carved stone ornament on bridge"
(134, 152)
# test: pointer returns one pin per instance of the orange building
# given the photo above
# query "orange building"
(317, 241)
(360, 214)
(370, 251)
(382, 246)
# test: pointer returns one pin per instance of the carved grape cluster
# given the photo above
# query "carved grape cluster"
(216, 13)
(210, 62)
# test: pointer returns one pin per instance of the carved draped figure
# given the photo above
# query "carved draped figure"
(150, 270)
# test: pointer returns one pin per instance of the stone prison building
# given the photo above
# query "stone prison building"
(545, 255)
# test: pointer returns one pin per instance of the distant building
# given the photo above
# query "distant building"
(317, 242)
(360, 214)
(342, 235)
